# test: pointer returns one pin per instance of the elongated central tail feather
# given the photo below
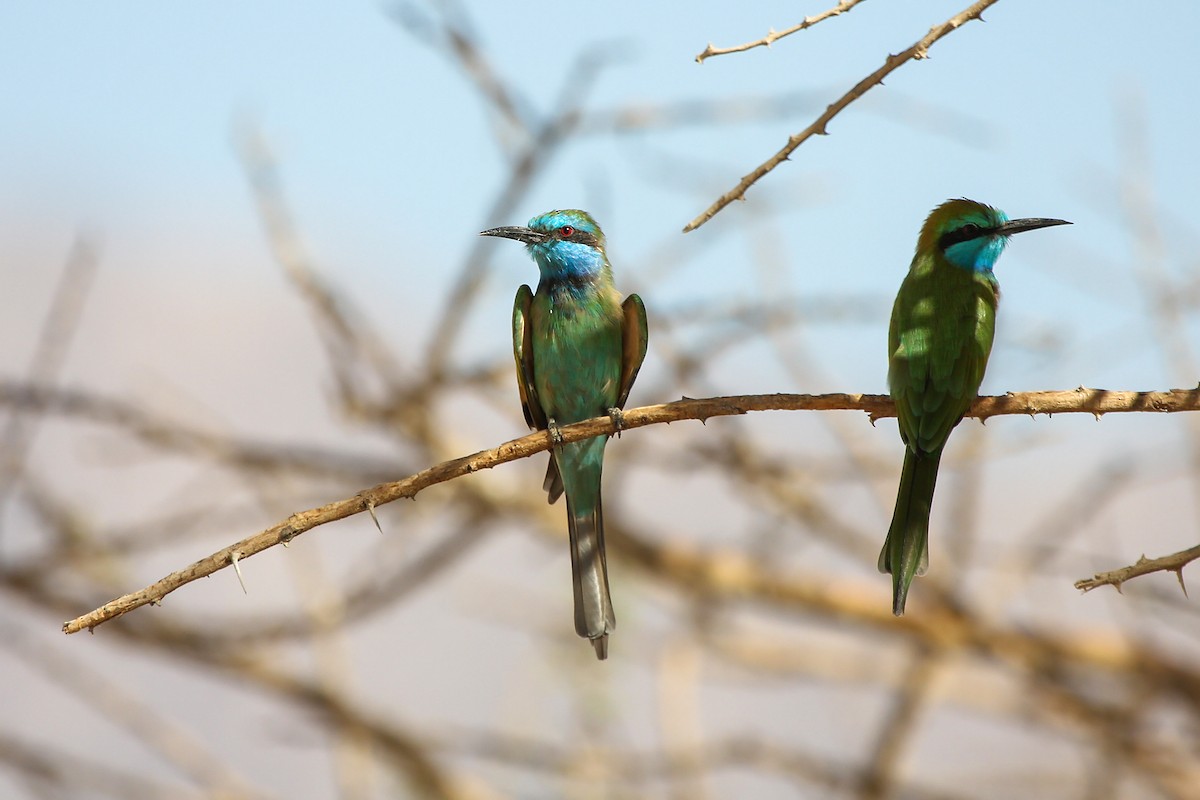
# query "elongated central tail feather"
(594, 617)
(905, 552)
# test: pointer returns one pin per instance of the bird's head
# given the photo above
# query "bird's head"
(972, 235)
(566, 244)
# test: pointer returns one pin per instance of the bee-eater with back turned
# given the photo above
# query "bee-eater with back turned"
(578, 349)
(940, 336)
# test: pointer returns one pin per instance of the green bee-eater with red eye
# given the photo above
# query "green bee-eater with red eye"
(578, 349)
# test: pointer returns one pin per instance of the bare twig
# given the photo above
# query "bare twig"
(917, 51)
(1143, 566)
(545, 142)
(1091, 401)
(541, 138)
(62, 773)
(452, 34)
(635, 766)
(406, 756)
(730, 110)
(127, 710)
(899, 727)
(773, 35)
(347, 340)
(161, 431)
(46, 363)
(1163, 309)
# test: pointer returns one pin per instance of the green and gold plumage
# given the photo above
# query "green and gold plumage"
(578, 349)
(940, 336)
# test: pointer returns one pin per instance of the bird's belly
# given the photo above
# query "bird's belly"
(577, 369)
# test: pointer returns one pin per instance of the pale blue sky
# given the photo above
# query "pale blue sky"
(121, 119)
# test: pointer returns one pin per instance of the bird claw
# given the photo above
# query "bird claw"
(618, 419)
(555, 432)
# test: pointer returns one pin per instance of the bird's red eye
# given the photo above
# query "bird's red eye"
(566, 231)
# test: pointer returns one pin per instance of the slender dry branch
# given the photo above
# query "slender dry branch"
(632, 767)
(1081, 400)
(422, 774)
(49, 771)
(739, 109)
(898, 731)
(917, 51)
(541, 138)
(163, 432)
(451, 33)
(532, 160)
(127, 710)
(346, 339)
(1143, 566)
(49, 354)
(773, 35)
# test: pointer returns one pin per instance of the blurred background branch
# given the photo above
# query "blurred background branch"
(917, 51)
(283, 323)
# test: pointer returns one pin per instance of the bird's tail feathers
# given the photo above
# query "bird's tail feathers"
(905, 552)
(594, 617)
(553, 483)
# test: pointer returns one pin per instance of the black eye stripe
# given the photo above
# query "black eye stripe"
(576, 235)
(964, 233)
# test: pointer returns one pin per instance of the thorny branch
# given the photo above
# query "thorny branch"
(773, 36)
(1048, 675)
(1143, 566)
(1089, 401)
(917, 51)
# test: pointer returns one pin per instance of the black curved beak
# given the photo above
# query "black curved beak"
(1030, 224)
(518, 232)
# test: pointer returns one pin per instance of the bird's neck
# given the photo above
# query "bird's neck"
(571, 263)
(976, 255)
(580, 284)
